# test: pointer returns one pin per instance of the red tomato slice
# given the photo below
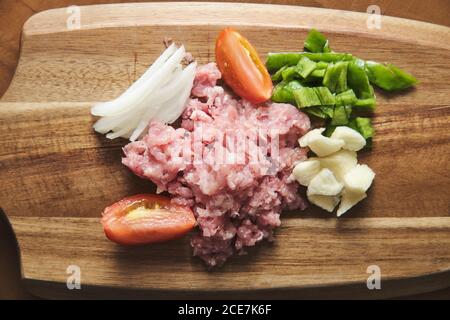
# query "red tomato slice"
(146, 218)
(241, 67)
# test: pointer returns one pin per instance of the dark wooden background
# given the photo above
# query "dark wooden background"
(13, 14)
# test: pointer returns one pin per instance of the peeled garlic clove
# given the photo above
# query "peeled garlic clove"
(324, 183)
(324, 146)
(359, 179)
(327, 203)
(305, 171)
(303, 141)
(353, 140)
(339, 163)
(348, 200)
(319, 144)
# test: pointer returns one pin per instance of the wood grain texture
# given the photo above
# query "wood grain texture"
(57, 174)
(307, 252)
(13, 14)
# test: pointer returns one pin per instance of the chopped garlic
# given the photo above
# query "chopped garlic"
(304, 141)
(325, 183)
(319, 144)
(359, 178)
(324, 146)
(305, 171)
(339, 163)
(348, 200)
(353, 140)
(334, 175)
(325, 202)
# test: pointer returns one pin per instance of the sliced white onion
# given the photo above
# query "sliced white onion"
(172, 106)
(142, 125)
(175, 73)
(163, 115)
(144, 78)
(183, 97)
(117, 134)
(176, 85)
(155, 66)
(160, 93)
(175, 106)
(182, 101)
(134, 98)
(106, 124)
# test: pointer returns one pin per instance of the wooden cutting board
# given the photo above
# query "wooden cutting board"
(57, 174)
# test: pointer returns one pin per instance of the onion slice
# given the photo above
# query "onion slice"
(175, 106)
(133, 98)
(159, 94)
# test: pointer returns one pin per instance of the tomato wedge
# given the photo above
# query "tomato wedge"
(146, 218)
(241, 67)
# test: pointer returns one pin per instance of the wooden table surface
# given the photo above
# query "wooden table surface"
(14, 13)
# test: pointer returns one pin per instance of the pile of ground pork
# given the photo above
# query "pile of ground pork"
(237, 201)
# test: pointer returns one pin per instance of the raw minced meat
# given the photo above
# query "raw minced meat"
(230, 161)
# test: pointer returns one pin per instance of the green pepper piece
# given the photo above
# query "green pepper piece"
(335, 77)
(306, 97)
(316, 111)
(328, 110)
(316, 42)
(365, 104)
(277, 60)
(349, 110)
(388, 76)
(340, 116)
(321, 65)
(346, 98)
(277, 76)
(317, 96)
(318, 73)
(305, 67)
(365, 127)
(289, 73)
(325, 96)
(323, 112)
(357, 79)
(283, 91)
